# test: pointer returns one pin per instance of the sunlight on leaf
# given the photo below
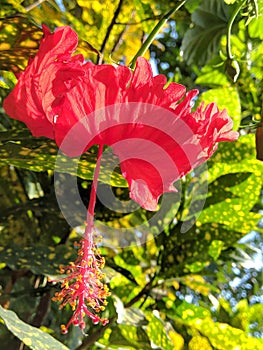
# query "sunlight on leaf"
(225, 98)
(30, 336)
(39, 259)
(19, 148)
(157, 333)
(19, 39)
(215, 248)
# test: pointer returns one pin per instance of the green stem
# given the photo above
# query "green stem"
(153, 33)
(229, 28)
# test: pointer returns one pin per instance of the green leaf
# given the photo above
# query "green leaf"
(20, 38)
(32, 337)
(198, 284)
(229, 2)
(144, 10)
(202, 41)
(20, 149)
(129, 316)
(41, 260)
(221, 335)
(256, 60)
(198, 342)
(129, 337)
(211, 76)
(10, 7)
(235, 179)
(243, 150)
(135, 270)
(196, 266)
(189, 312)
(192, 5)
(225, 98)
(255, 27)
(215, 249)
(125, 272)
(157, 332)
(235, 192)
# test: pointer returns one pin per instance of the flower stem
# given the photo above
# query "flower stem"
(92, 202)
(153, 33)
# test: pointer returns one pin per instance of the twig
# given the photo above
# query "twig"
(143, 292)
(113, 22)
(35, 4)
(119, 39)
(42, 310)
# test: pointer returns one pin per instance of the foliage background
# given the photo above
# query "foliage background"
(184, 289)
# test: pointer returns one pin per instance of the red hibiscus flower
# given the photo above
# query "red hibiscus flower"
(57, 91)
(150, 127)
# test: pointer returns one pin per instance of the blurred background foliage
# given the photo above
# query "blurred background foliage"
(196, 285)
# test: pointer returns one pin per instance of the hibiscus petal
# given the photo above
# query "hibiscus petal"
(142, 73)
(30, 99)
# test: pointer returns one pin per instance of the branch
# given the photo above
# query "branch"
(35, 4)
(113, 22)
(121, 35)
(143, 292)
(42, 310)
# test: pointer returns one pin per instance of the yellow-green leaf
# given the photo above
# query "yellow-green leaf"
(33, 337)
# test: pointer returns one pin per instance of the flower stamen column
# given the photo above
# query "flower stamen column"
(83, 288)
